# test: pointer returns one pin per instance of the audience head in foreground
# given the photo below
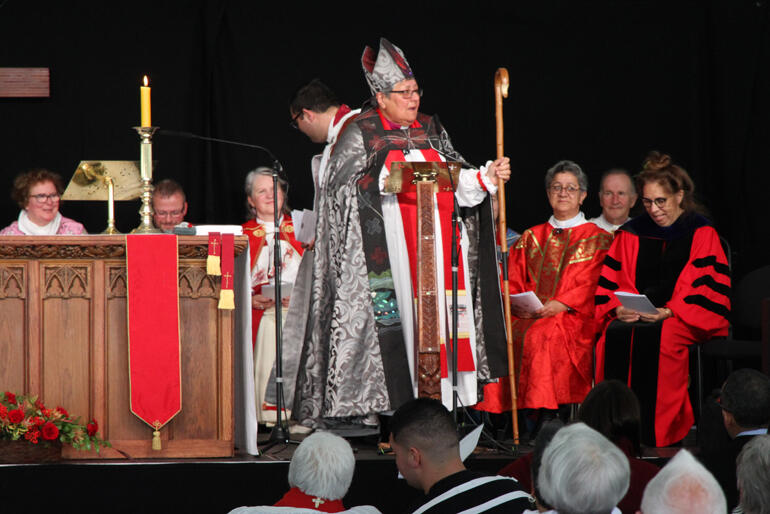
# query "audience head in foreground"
(320, 473)
(612, 409)
(38, 193)
(745, 401)
(683, 486)
(169, 205)
(583, 472)
(424, 439)
(754, 476)
(322, 466)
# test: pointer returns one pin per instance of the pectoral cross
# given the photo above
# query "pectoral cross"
(318, 501)
(24, 83)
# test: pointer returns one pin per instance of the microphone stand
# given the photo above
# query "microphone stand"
(280, 432)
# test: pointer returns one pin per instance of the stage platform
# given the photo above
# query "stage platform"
(213, 485)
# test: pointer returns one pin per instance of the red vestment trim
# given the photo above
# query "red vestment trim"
(294, 497)
(153, 328)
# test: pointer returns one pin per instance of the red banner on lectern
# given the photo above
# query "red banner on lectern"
(153, 328)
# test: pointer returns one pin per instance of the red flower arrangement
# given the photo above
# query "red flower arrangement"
(25, 416)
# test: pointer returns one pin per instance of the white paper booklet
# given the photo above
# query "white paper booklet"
(269, 290)
(203, 230)
(636, 302)
(527, 301)
(304, 225)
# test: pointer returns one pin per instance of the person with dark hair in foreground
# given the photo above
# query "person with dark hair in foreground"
(424, 439)
(673, 255)
(38, 194)
(745, 402)
(611, 408)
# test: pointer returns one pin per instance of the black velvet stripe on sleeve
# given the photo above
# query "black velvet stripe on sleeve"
(708, 281)
(709, 305)
(607, 283)
(612, 263)
(711, 260)
(601, 299)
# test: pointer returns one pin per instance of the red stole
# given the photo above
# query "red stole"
(256, 233)
(296, 498)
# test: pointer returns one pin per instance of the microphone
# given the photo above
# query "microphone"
(189, 135)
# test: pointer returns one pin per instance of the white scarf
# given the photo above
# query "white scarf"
(572, 222)
(30, 228)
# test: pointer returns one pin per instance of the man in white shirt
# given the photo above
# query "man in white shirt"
(617, 195)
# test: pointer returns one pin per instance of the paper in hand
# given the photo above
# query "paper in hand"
(527, 301)
(636, 302)
(305, 228)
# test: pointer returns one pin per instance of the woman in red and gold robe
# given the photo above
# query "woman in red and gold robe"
(672, 255)
(560, 262)
(261, 230)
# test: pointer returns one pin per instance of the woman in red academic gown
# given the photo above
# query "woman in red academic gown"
(673, 255)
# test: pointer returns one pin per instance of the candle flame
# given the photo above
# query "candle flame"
(146, 81)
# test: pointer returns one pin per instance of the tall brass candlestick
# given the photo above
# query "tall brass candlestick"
(145, 168)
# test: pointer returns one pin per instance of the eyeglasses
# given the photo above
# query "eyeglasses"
(169, 214)
(293, 123)
(42, 198)
(406, 94)
(659, 202)
(558, 188)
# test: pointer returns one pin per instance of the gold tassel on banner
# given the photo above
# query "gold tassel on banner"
(156, 440)
(226, 299)
(212, 265)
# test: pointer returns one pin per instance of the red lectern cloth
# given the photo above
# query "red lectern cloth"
(153, 328)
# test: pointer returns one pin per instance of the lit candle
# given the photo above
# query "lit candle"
(145, 103)
(110, 199)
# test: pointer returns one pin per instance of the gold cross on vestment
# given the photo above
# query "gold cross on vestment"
(226, 280)
(214, 245)
(318, 501)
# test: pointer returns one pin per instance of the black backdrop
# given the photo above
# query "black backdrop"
(598, 82)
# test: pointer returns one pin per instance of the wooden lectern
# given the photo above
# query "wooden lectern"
(63, 336)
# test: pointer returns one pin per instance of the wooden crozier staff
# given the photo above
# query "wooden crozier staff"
(501, 91)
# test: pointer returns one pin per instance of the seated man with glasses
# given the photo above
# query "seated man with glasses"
(38, 193)
(559, 261)
(358, 357)
(169, 205)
